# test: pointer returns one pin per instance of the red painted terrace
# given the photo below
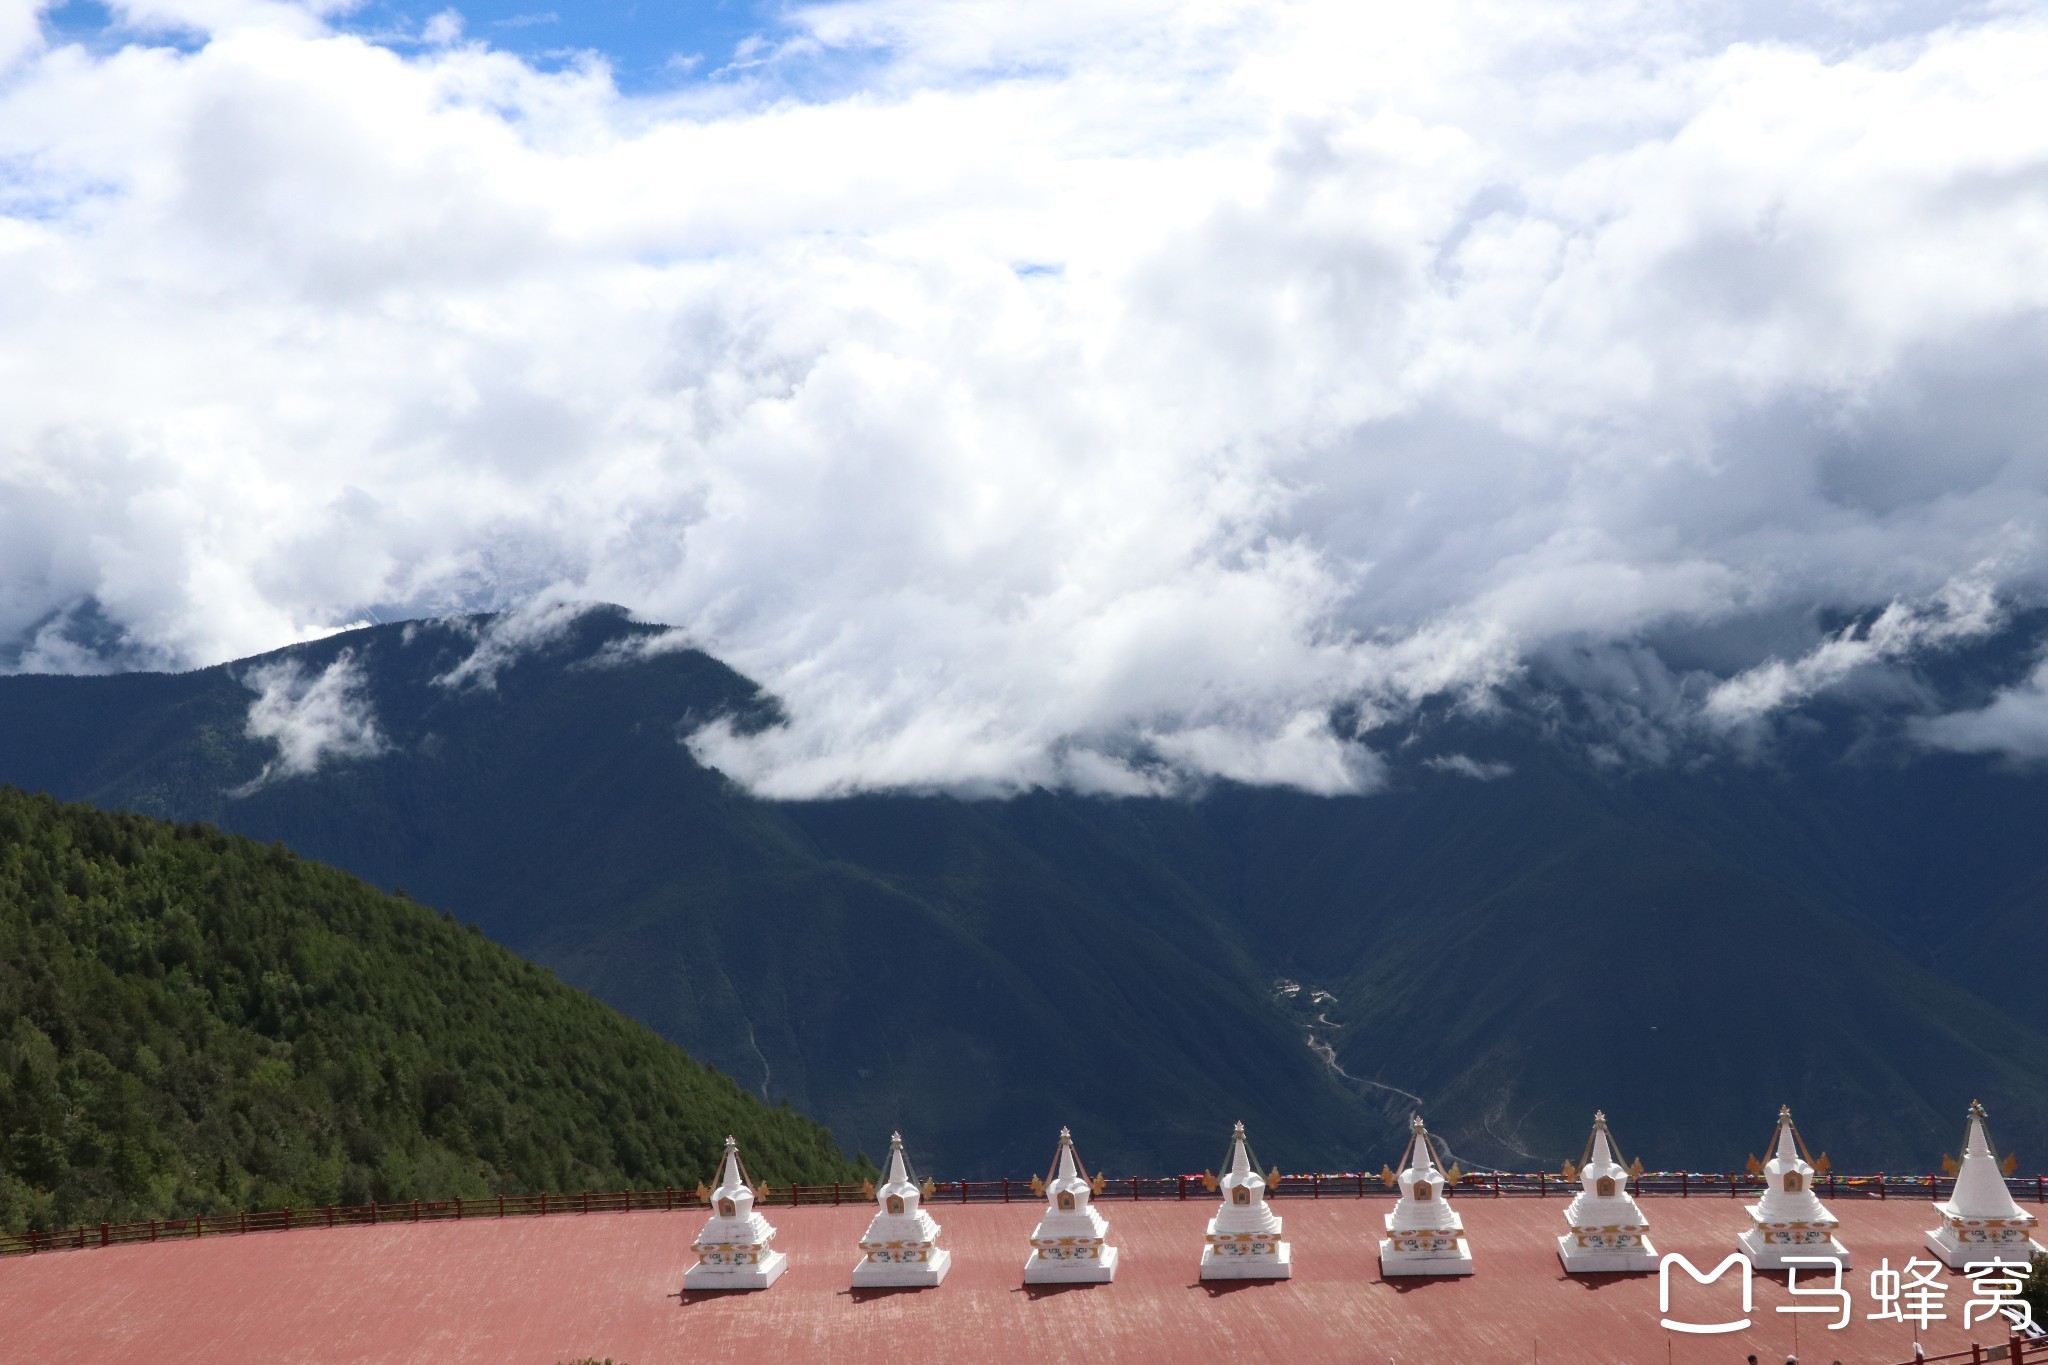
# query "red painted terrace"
(548, 1278)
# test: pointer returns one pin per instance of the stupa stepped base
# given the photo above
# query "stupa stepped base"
(1771, 1255)
(922, 1273)
(1957, 1254)
(757, 1275)
(1275, 1261)
(1098, 1269)
(1580, 1260)
(1454, 1260)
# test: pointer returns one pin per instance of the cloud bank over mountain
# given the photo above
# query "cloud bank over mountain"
(1106, 395)
(312, 718)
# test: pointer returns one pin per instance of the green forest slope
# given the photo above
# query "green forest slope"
(193, 1022)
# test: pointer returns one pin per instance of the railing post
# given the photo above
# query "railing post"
(1684, 1184)
(103, 1234)
(330, 1215)
(243, 1216)
(501, 1206)
(1006, 1189)
(152, 1229)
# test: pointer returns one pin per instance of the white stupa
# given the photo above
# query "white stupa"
(1608, 1233)
(1980, 1221)
(1425, 1236)
(1789, 1220)
(736, 1249)
(1244, 1236)
(900, 1248)
(1070, 1245)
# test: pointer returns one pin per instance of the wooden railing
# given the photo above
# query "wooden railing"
(1340, 1185)
(2018, 1350)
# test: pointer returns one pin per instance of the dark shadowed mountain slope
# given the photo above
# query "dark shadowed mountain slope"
(1688, 949)
(1612, 959)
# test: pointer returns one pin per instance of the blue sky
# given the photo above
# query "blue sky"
(649, 45)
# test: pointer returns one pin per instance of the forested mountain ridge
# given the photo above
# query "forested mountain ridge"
(932, 965)
(1687, 947)
(196, 1023)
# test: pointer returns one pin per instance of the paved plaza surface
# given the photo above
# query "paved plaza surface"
(506, 1292)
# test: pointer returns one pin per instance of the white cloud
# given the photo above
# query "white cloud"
(443, 29)
(312, 718)
(2013, 724)
(529, 626)
(1370, 350)
(20, 31)
(1966, 611)
(1464, 765)
(1303, 753)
